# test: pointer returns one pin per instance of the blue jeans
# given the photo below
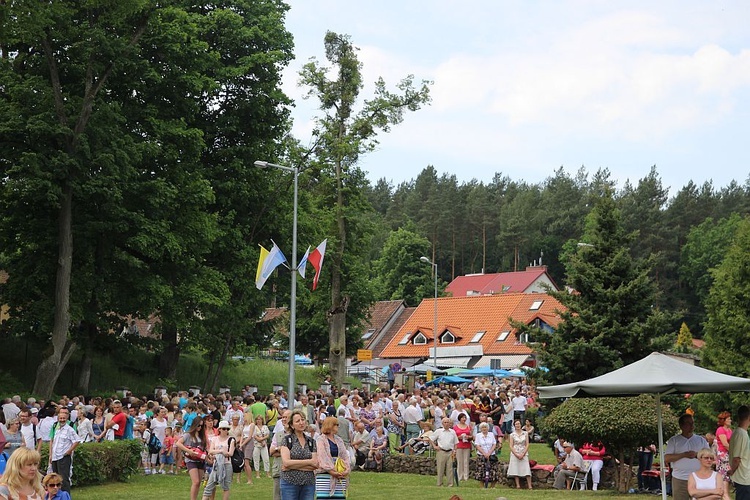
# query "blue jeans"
(295, 492)
(645, 461)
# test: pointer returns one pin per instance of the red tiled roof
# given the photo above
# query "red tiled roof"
(272, 313)
(466, 316)
(488, 284)
(380, 313)
(698, 343)
(387, 336)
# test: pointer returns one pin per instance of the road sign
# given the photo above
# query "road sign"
(364, 354)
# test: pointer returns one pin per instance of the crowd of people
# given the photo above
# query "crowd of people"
(313, 441)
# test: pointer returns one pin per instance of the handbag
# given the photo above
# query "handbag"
(328, 487)
(339, 465)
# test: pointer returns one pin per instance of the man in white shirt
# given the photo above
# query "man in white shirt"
(28, 431)
(64, 440)
(360, 443)
(11, 408)
(682, 452)
(519, 407)
(444, 441)
(412, 416)
(235, 410)
(572, 465)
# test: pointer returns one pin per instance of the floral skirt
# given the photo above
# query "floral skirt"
(722, 464)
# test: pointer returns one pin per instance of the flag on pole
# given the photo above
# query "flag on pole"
(316, 260)
(302, 266)
(267, 262)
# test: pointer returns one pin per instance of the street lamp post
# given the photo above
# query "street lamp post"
(435, 317)
(293, 299)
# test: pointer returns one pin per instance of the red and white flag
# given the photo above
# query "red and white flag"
(316, 260)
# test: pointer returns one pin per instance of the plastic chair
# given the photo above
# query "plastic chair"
(581, 476)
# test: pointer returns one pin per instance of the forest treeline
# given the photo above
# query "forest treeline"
(506, 225)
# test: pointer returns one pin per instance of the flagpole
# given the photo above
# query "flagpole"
(293, 300)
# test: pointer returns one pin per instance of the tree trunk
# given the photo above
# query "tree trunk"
(222, 361)
(622, 474)
(337, 340)
(339, 304)
(84, 379)
(62, 348)
(170, 354)
(210, 368)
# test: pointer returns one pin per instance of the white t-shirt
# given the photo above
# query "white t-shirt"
(519, 403)
(27, 431)
(159, 428)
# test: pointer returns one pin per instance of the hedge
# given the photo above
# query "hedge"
(97, 463)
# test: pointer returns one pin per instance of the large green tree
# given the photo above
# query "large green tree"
(108, 120)
(728, 309)
(399, 273)
(610, 320)
(342, 134)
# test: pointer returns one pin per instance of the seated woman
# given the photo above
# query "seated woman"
(378, 445)
(419, 444)
(706, 483)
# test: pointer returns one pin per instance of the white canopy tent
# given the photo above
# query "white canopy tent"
(655, 374)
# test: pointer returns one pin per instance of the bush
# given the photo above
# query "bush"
(98, 463)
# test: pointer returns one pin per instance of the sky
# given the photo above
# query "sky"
(522, 88)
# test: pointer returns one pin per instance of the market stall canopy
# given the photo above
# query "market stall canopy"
(423, 368)
(484, 371)
(655, 374)
(449, 379)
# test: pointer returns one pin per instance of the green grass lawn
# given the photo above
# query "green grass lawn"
(364, 485)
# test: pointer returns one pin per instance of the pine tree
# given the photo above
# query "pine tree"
(610, 319)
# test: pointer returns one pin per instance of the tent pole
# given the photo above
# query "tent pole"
(662, 465)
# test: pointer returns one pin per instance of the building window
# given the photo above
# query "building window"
(477, 337)
(405, 340)
(419, 339)
(536, 305)
(368, 334)
(503, 335)
(447, 338)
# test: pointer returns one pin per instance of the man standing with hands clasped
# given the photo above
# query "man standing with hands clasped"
(739, 453)
(682, 452)
(444, 441)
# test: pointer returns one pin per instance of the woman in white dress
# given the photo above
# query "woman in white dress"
(706, 483)
(519, 455)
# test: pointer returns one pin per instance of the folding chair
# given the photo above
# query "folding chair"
(581, 476)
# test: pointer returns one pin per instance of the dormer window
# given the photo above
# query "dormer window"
(503, 335)
(536, 305)
(477, 337)
(419, 339)
(447, 338)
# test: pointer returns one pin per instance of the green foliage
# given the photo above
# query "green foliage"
(99, 463)
(399, 273)
(684, 339)
(610, 319)
(622, 424)
(728, 308)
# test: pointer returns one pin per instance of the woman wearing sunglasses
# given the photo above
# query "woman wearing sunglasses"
(706, 483)
(53, 487)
